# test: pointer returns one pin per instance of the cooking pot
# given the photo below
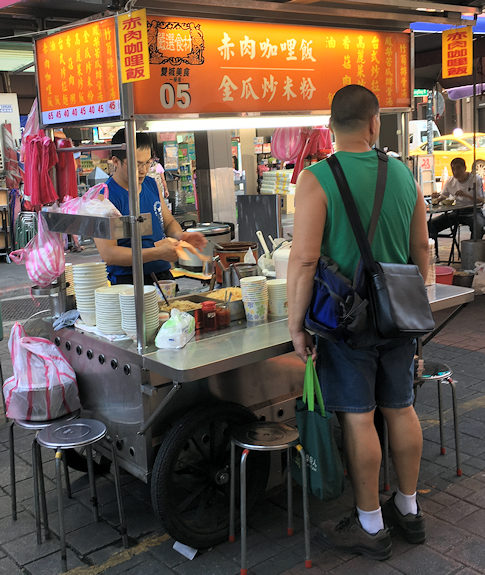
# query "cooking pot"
(233, 253)
(214, 233)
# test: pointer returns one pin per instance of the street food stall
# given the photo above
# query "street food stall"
(169, 412)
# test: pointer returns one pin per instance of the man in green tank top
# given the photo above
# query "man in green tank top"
(379, 373)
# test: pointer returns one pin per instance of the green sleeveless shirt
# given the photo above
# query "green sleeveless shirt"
(391, 239)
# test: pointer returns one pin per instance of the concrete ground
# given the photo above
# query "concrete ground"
(454, 506)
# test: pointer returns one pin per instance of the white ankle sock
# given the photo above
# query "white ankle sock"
(371, 521)
(406, 503)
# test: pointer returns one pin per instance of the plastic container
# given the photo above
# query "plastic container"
(444, 275)
(223, 316)
(209, 321)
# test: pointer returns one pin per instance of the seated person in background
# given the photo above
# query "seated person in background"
(460, 188)
(158, 249)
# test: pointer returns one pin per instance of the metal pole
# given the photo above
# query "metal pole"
(474, 168)
(137, 261)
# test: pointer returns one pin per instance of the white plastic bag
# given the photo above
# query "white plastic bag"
(94, 202)
(478, 283)
(176, 331)
(43, 256)
(44, 384)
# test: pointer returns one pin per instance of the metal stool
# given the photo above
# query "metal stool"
(80, 433)
(37, 471)
(440, 373)
(266, 436)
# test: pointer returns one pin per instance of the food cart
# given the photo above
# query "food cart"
(169, 412)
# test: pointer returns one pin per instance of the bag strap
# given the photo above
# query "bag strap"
(311, 388)
(362, 241)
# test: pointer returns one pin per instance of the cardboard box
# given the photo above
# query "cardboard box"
(3, 197)
(287, 203)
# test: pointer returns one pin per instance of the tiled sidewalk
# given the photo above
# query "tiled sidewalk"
(454, 506)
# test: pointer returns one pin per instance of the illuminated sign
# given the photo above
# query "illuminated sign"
(457, 52)
(211, 66)
(77, 74)
(132, 37)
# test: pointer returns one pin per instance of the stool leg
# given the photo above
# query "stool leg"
(440, 412)
(306, 515)
(455, 424)
(66, 475)
(121, 510)
(35, 474)
(244, 566)
(232, 496)
(289, 493)
(13, 484)
(60, 510)
(385, 450)
(47, 533)
(92, 482)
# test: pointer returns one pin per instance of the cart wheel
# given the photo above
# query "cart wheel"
(191, 475)
(76, 459)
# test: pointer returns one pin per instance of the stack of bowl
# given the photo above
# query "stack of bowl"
(254, 291)
(278, 299)
(108, 311)
(128, 312)
(87, 278)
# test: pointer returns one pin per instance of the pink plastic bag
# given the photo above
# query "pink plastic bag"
(94, 202)
(44, 384)
(43, 256)
(286, 144)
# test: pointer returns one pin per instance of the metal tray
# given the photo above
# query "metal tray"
(235, 307)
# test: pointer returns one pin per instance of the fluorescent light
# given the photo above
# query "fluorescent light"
(233, 123)
(15, 55)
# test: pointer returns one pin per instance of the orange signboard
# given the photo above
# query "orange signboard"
(77, 74)
(457, 52)
(132, 37)
(214, 66)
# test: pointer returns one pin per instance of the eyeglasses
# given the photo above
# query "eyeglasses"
(143, 165)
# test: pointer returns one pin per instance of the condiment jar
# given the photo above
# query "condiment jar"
(209, 322)
(223, 316)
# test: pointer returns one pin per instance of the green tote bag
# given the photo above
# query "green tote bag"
(315, 426)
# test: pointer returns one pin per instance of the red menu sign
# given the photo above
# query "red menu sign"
(214, 66)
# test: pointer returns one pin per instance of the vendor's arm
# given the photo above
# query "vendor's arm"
(418, 240)
(115, 255)
(310, 215)
(173, 229)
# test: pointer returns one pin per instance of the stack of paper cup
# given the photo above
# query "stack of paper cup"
(87, 278)
(128, 312)
(108, 311)
(278, 299)
(254, 290)
(431, 278)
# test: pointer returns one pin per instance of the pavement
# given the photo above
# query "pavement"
(454, 506)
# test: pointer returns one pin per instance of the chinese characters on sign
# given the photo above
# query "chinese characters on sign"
(132, 35)
(211, 66)
(78, 74)
(457, 52)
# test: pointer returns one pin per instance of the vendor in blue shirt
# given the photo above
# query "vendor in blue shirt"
(158, 249)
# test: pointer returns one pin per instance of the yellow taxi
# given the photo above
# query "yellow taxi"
(448, 147)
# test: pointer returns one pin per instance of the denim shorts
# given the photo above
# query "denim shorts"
(358, 380)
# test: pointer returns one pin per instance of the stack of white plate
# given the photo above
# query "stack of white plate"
(87, 278)
(128, 313)
(69, 279)
(108, 311)
(278, 300)
(254, 291)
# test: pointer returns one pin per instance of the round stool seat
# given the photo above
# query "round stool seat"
(65, 435)
(433, 371)
(265, 436)
(37, 425)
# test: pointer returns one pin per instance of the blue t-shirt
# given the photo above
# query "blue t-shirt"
(149, 203)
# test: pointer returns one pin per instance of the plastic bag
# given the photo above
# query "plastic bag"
(94, 202)
(31, 127)
(286, 144)
(478, 283)
(176, 331)
(43, 256)
(44, 384)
